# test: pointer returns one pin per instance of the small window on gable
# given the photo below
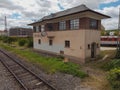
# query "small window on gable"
(88, 46)
(50, 42)
(67, 44)
(39, 41)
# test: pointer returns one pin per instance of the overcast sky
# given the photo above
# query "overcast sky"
(23, 12)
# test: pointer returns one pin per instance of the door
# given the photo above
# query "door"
(93, 50)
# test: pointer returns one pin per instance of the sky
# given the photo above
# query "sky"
(19, 13)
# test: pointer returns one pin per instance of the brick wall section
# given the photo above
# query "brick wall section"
(84, 23)
(56, 26)
(46, 27)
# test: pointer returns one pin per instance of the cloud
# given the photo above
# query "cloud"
(23, 12)
(111, 23)
(9, 5)
(110, 1)
(93, 4)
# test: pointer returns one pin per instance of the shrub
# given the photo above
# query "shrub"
(22, 42)
(114, 78)
(6, 39)
(70, 68)
(30, 43)
(112, 64)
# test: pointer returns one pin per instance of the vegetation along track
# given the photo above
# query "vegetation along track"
(26, 78)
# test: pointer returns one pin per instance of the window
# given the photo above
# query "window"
(62, 25)
(50, 26)
(39, 41)
(88, 46)
(50, 42)
(42, 27)
(34, 28)
(67, 43)
(74, 24)
(93, 24)
(39, 28)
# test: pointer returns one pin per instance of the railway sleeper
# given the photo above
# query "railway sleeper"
(17, 72)
(28, 78)
(15, 66)
(33, 82)
(23, 74)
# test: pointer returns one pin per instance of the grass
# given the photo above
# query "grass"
(49, 64)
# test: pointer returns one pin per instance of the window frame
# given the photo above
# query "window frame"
(42, 28)
(62, 25)
(75, 24)
(93, 24)
(67, 44)
(39, 41)
(50, 42)
(34, 28)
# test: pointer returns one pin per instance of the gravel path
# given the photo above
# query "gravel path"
(7, 81)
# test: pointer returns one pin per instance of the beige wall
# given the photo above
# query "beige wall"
(79, 40)
(90, 37)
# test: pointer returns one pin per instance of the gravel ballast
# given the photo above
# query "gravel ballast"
(7, 81)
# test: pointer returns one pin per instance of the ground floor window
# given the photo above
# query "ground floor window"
(50, 42)
(67, 43)
(39, 41)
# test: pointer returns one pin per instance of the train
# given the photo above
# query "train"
(109, 40)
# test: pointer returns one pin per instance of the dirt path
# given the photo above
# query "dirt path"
(96, 80)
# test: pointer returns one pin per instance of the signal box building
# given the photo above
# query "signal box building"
(73, 33)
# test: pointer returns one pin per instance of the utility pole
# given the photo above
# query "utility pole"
(118, 39)
(5, 23)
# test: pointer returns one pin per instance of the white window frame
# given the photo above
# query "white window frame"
(62, 25)
(42, 28)
(74, 24)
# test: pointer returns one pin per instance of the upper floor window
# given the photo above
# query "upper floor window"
(62, 25)
(42, 27)
(93, 24)
(50, 27)
(74, 24)
(34, 28)
(39, 28)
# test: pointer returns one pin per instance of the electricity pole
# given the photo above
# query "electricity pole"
(5, 23)
(118, 39)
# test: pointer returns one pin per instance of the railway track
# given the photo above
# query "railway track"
(25, 77)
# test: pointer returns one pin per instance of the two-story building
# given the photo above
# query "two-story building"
(73, 33)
